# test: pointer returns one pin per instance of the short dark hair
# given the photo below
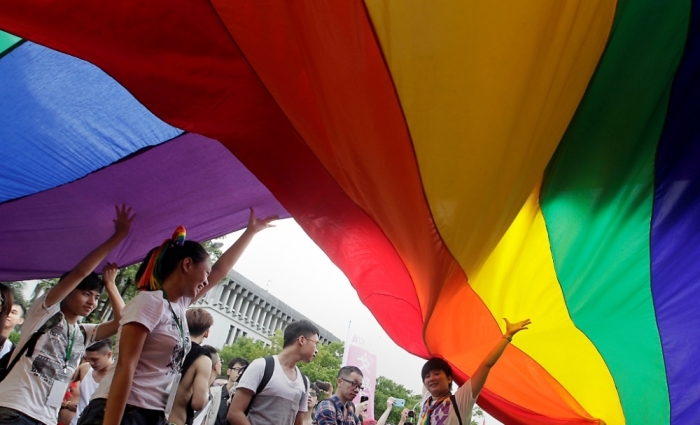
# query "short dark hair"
(91, 282)
(238, 360)
(211, 350)
(347, 370)
(21, 306)
(301, 328)
(198, 321)
(102, 346)
(436, 363)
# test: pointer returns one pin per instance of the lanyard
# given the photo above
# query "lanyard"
(71, 343)
(179, 327)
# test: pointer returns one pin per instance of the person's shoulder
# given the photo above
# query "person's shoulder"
(82, 371)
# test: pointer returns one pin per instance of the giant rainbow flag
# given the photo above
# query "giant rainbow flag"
(460, 161)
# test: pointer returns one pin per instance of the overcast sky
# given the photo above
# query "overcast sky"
(287, 263)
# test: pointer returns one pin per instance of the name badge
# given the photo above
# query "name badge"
(57, 392)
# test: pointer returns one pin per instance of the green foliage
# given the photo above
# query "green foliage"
(477, 415)
(14, 337)
(387, 388)
(250, 349)
(324, 367)
(326, 364)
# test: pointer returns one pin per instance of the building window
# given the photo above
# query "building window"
(230, 333)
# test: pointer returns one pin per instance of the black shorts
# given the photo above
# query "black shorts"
(95, 411)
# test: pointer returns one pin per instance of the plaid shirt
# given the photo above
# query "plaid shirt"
(332, 412)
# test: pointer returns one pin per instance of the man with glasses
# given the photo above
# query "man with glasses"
(224, 394)
(339, 410)
(281, 400)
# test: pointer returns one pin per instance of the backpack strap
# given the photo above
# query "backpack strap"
(269, 368)
(306, 381)
(28, 346)
(456, 408)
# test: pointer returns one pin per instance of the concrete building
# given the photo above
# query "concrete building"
(241, 308)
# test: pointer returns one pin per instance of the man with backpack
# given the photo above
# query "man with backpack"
(273, 390)
(53, 342)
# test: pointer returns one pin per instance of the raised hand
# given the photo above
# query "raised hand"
(122, 224)
(109, 274)
(404, 414)
(257, 224)
(390, 402)
(514, 328)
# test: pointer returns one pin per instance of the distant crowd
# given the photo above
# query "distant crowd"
(64, 371)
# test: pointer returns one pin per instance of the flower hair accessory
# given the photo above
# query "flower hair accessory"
(150, 280)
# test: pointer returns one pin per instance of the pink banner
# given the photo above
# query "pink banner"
(357, 355)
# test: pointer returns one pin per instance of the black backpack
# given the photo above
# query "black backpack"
(269, 368)
(6, 366)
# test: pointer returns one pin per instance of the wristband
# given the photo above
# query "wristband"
(509, 338)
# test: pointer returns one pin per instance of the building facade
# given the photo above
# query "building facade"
(241, 308)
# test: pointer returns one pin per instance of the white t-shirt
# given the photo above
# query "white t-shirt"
(445, 414)
(162, 352)
(27, 387)
(280, 400)
(6, 346)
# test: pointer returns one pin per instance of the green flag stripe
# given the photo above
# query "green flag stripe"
(597, 201)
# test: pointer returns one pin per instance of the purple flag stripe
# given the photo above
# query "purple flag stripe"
(675, 237)
(192, 181)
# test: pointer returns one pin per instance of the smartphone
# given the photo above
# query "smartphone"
(363, 398)
(399, 402)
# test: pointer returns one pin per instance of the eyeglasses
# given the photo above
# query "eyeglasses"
(237, 369)
(354, 384)
(314, 341)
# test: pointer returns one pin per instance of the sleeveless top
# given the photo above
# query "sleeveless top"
(195, 352)
(87, 387)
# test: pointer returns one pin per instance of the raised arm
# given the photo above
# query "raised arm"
(130, 346)
(122, 224)
(226, 262)
(389, 405)
(482, 372)
(109, 328)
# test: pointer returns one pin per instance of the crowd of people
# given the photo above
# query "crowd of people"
(160, 371)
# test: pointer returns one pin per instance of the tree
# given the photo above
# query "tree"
(477, 415)
(386, 388)
(326, 364)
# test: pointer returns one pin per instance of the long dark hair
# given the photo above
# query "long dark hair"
(161, 261)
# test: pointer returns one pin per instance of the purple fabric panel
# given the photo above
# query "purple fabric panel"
(675, 237)
(191, 180)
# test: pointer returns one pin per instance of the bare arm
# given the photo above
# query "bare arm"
(482, 372)
(122, 225)
(236, 411)
(226, 262)
(130, 346)
(109, 328)
(389, 405)
(200, 385)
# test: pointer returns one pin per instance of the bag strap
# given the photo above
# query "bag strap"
(269, 369)
(456, 408)
(28, 346)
